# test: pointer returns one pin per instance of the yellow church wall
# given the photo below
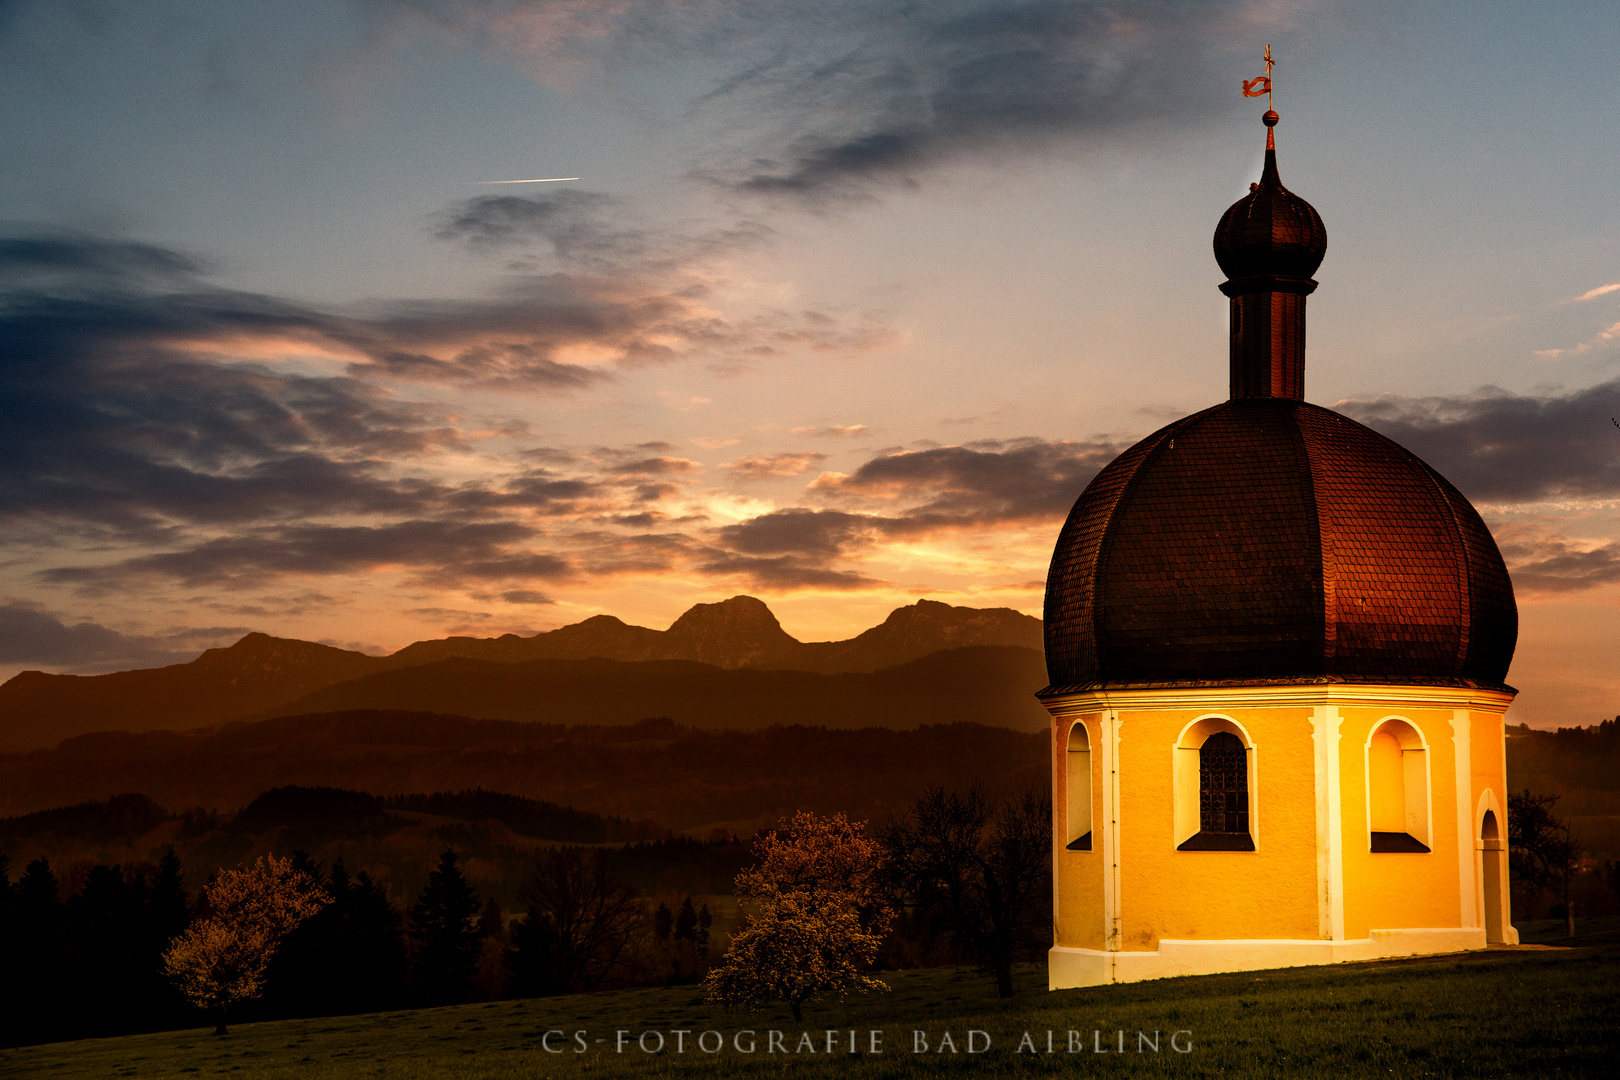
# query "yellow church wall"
(1488, 767)
(1267, 893)
(1078, 877)
(1397, 890)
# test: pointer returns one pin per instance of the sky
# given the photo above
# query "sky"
(848, 304)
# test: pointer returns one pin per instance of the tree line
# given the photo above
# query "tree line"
(960, 877)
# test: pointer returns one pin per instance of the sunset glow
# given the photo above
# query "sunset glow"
(855, 301)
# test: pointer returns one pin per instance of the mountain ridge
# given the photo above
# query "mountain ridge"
(260, 674)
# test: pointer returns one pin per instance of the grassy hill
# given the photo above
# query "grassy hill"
(1522, 1013)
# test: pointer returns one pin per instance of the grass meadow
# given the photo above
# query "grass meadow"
(1522, 1013)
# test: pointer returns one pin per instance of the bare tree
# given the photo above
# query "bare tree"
(1542, 849)
(986, 865)
(593, 920)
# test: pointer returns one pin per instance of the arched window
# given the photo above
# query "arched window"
(1397, 788)
(1078, 785)
(1223, 796)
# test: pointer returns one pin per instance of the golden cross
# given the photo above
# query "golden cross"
(1270, 101)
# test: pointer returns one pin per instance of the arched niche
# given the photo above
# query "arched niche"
(1214, 779)
(1077, 776)
(1491, 844)
(1397, 788)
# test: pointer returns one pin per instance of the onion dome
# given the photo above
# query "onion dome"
(1270, 540)
(1267, 540)
(1271, 232)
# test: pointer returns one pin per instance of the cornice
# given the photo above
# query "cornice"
(1353, 694)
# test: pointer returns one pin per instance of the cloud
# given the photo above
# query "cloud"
(590, 230)
(1542, 562)
(988, 482)
(890, 90)
(658, 466)
(1592, 294)
(840, 98)
(776, 465)
(440, 552)
(837, 431)
(570, 221)
(785, 574)
(1502, 447)
(525, 596)
(1604, 338)
(30, 635)
(798, 531)
(905, 495)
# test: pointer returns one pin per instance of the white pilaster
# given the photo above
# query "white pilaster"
(1113, 935)
(1461, 747)
(1325, 721)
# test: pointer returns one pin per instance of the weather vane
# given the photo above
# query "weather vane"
(1261, 84)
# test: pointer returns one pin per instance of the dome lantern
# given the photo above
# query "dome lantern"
(1269, 243)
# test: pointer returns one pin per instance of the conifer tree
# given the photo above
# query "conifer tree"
(168, 914)
(36, 959)
(375, 946)
(686, 922)
(704, 921)
(531, 959)
(105, 955)
(10, 980)
(445, 932)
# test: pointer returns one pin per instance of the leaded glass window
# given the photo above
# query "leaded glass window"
(1223, 785)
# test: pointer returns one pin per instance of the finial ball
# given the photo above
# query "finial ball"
(1270, 119)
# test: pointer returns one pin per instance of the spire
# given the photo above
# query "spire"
(1269, 244)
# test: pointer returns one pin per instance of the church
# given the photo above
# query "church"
(1277, 645)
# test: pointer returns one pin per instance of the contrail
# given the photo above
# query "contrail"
(547, 180)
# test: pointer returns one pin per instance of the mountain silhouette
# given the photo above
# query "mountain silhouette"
(262, 675)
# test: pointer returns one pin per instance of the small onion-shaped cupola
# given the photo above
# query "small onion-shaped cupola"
(1268, 540)
(1269, 243)
(1271, 233)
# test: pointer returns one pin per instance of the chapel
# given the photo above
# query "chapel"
(1277, 645)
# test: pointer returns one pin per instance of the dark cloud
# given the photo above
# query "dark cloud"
(39, 259)
(979, 484)
(608, 554)
(1549, 563)
(1502, 447)
(29, 635)
(922, 491)
(120, 406)
(881, 92)
(525, 596)
(824, 533)
(442, 552)
(572, 222)
(831, 99)
(129, 418)
(785, 573)
(657, 466)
